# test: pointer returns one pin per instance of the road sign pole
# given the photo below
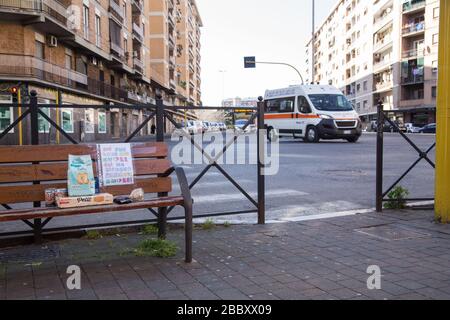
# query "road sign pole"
(442, 203)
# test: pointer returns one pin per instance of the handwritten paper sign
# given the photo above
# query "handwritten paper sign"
(116, 164)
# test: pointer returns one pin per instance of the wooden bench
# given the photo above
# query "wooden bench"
(26, 171)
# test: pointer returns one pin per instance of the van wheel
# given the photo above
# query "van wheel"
(353, 139)
(312, 135)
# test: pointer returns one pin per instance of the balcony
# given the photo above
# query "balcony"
(171, 41)
(53, 19)
(117, 49)
(138, 32)
(173, 84)
(413, 5)
(413, 53)
(137, 5)
(383, 86)
(413, 29)
(116, 10)
(382, 64)
(138, 64)
(380, 22)
(413, 79)
(21, 66)
(382, 44)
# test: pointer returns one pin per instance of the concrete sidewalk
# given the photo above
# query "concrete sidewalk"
(320, 259)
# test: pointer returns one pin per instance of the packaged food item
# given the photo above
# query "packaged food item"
(60, 193)
(80, 176)
(137, 195)
(50, 200)
(85, 201)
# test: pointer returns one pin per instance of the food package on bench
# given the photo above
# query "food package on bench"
(80, 176)
(85, 201)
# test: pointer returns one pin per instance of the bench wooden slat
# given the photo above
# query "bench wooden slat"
(30, 193)
(58, 171)
(36, 213)
(48, 153)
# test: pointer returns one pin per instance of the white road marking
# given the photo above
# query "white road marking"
(211, 184)
(238, 196)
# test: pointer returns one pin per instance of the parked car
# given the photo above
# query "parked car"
(223, 126)
(239, 125)
(388, 127)
(429, 128)
(411, 128)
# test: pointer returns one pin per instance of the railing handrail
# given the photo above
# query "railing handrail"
(29, 61)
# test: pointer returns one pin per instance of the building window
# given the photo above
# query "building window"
(434, 92)
(86, 21)
(69, 62)
(435, 38)
(81, 65)
(39, 50)
(98, 33)
(436, 12)
(6, 113)
(89, 124)
(67, 120)
(101, 121)
(43, 124)
(365, 85)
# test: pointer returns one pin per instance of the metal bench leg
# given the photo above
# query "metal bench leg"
(37, 228)
(162, 223)
(188, 231)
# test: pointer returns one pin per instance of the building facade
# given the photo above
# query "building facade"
(380, 50)
(100, 52)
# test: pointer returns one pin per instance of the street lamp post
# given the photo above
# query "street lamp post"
(250, 62)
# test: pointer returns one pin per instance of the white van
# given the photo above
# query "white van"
(311, 112)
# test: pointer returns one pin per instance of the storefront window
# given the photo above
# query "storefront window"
(44, 125)
(5, 113)
(89, 123)
(101, 121)
(67, 120)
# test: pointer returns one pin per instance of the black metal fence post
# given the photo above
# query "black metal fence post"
(380, 145)
(261, 163)
(162, 212)
(34, 134)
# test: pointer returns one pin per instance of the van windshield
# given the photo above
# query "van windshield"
(330, 102)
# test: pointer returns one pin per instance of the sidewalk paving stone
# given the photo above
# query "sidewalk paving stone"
(323, 259)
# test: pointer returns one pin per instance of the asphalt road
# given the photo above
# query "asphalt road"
(313, 179)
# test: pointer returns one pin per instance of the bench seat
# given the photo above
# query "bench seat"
(41, 213)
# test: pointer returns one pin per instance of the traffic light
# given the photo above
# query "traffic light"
(14, 94)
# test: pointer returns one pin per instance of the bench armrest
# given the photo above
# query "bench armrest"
(184, 185)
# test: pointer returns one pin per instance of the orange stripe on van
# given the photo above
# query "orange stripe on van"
(290, 116)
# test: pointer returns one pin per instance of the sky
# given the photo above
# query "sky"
(274, 31)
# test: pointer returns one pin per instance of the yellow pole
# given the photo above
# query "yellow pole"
(19, 111)
(442, 204)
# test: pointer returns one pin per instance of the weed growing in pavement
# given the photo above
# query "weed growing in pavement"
(150, 229)
(156, 248)
(208, 225)
(93, 235)
(398, 194)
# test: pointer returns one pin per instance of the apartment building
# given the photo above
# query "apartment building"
(380, 50)
(83, 52)
(175, 41)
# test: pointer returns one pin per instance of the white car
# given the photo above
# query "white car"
(410, 128)
(240, 124)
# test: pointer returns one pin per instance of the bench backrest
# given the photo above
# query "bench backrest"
(20, 166)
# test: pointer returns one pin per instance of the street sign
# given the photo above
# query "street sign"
(249, 62)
